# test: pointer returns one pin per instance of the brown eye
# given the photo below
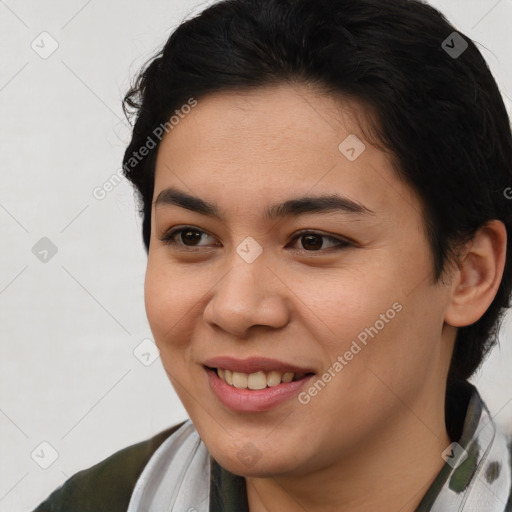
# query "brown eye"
(315, 242)
(311, 242)
(190, 236)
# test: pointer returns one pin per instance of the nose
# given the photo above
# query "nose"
(249, 294)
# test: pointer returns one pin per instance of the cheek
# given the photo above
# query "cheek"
(344, 304)
(158, 301)
(367, 318)
(169, 301)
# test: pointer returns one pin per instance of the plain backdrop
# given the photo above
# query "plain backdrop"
(72, 266)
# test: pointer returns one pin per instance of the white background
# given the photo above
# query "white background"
(69, 326)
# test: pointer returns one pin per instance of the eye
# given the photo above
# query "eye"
(312, 241)
(189, 237)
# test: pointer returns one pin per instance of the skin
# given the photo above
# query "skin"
(372, 438)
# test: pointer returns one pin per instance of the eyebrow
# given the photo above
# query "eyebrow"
(291, 207)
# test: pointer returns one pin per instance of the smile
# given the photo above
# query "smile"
(255, 390)
(256, 380)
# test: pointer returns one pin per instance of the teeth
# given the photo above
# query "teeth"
(239, 380)
(287, 377)
(257, 380)
(273, 378)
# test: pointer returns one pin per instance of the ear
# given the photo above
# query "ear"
(479, 275)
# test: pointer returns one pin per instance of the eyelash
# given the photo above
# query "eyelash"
(168, 239)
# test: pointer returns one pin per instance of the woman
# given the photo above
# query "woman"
(323, 187)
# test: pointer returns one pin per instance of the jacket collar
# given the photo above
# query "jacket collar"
(477, 473)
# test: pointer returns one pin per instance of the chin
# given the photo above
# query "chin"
(248, 459)
(258, 468)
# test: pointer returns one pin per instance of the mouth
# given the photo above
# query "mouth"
(257, 380)
(256, 384)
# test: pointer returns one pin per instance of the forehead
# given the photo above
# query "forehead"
(244, 148)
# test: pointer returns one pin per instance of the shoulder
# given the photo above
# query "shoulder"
(107, 485)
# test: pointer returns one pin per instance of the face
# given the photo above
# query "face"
(334, 293)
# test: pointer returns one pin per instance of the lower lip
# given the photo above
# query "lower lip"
(258, 400)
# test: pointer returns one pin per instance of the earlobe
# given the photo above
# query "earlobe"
(479, 275)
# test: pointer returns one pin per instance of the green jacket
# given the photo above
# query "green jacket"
(108, 485)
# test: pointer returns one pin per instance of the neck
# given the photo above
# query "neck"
(390, 472)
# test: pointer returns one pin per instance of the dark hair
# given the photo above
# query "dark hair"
(440, 115)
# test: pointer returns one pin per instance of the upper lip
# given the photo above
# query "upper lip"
(254, 364)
